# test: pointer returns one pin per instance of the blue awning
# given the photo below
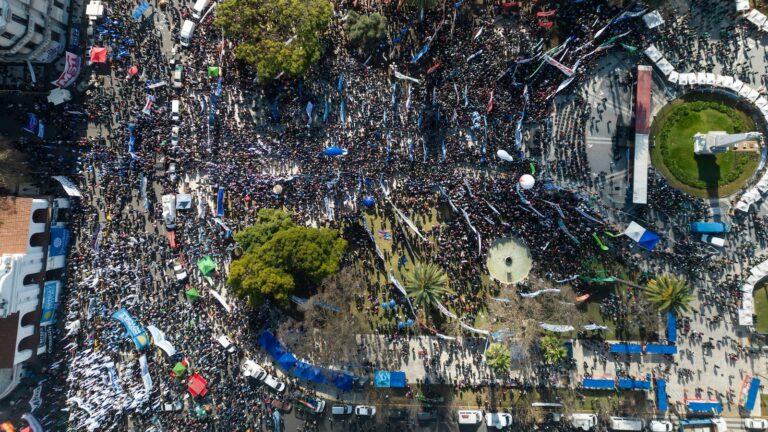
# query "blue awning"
(705, 406)
(287, 361)
(599, 384)
(397, 379)
(754, 389)
(661, 395)
(626, 348)
(343, 381)
(671, 327)
(633, 384)
(660, 349)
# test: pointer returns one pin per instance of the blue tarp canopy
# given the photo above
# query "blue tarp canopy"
(626, 348)
(343, 381)
(287, 361)
(705, 406)
(754, 389)
(599, 384)
(302, 370)
(633, 384)
(271, 345)
(386, 379)
(661, 395)
(671, 327)
(660, 349)
(139, 11)
(648, 240)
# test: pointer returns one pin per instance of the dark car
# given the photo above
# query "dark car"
(426, 416)
(398, 414)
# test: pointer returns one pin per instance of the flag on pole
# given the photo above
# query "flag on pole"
(398, 75)
(564, 69)
(421, 52)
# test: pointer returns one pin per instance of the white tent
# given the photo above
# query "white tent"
(665, 67)
(753, 95)
(673, 77)
(742, 5)
(701, 78)
(756, 17)
(710, 78)
(94, 10)
(653, 53)
(745, 90)
(682, 79)
(653, 19)
(727, 81)
(59, 95)
(737, 85)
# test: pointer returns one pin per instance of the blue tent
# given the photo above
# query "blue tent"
(648, 240)
(287, 361)
(271, 345)
(660, 349)
(381, 379)
(598, 384)
(301, 371)
(626, 348)
(343, 381)
(397, 379)
(671, 327)
(661, 395)
(633, 384)
(754, 389)
(704, 406)
(316, 375)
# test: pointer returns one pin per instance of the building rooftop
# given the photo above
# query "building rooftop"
(14, 224)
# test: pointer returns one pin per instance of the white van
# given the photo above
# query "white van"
(626, 424)
(498, 420)
(470, 417)
(583, 421)
(199, 9)
(715, 241)
(175, 110)
(661, 426)
(177, 83)
(186, 33)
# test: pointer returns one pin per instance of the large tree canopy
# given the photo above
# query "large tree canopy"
(276, 35)
(278, 255)
(366, 31)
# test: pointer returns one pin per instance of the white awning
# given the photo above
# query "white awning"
(673, 77)
(653, 19)
(665, 67)
(653, 53)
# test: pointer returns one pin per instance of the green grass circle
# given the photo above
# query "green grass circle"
(701, 175)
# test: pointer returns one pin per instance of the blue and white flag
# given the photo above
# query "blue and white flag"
(343, 112)
(220, 202)
(421, 52)
(310, 107)
(519, 132)
(41, 130)
(340, 84)
(31, 123)
(325, 111)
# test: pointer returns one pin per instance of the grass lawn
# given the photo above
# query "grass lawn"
(761, 309)
(704, 176)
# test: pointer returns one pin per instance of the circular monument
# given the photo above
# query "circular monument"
(704, 145)
(509, 260)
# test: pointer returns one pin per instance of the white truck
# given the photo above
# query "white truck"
(199, 8)
(169, 211)
(186, 33)
(626, 424)
(583, 421)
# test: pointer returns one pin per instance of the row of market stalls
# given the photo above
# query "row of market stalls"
(747, 307)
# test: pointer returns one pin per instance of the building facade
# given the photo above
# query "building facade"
(33, 30)
(33, 244)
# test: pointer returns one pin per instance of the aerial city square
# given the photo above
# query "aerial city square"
(383, 215)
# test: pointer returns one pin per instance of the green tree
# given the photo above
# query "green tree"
(670, 293)
(498, 358)
(366, 31)
(427, 284)
(280, 255)
(276, 35)
(268, 223)
(552, 349)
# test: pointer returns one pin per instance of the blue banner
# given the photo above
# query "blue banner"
(59, 242)
(220, 202)
(135, 331)
(49, 303)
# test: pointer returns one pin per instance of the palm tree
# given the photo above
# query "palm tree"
(498, 358)
(427, 284)
(553, 349)
(670, 293)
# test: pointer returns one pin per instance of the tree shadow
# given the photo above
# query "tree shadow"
(709, 173)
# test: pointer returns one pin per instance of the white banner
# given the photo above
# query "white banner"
(71, 71)
(68, 186)
(37, 398)
(145, 376)
(539, 292)
(556, 328)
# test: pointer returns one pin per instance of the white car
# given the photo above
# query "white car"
(341, 410)
(253, 370)
(175, 136)
(226, 343)
(498, 420)
(274, 384)
(755, 424)
(661, 426)
(714, 241)
(365, 410)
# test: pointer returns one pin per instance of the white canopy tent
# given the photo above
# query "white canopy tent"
(742, 5)
(665, 67)
(673, 77)
(756, 17)
(653, 53)
(710, 79)
(58, 96)
(653, 19)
